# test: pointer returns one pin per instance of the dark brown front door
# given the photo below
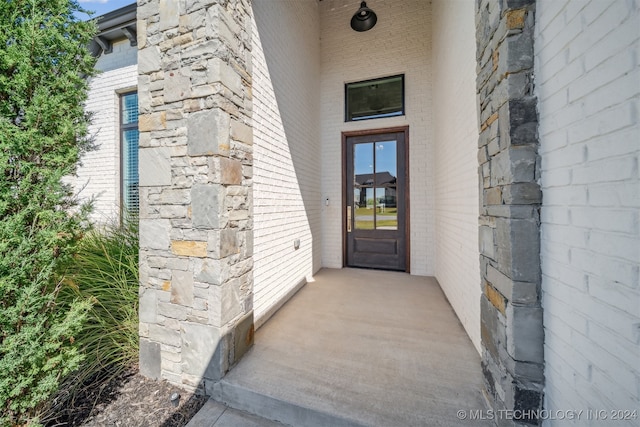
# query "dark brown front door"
(375, 200)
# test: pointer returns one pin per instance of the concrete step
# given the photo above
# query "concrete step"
(279, 410)
(216, 414)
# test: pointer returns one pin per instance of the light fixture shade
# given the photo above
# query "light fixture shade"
(364, 19)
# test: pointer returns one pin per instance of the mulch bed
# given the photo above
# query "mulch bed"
(128, 400)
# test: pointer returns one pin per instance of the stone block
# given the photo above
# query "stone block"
(182, 287)
(495, 298)
(516, 53)
(176, 87)
(492, 327)
(219, 71)
(149, 59)
(163, 335)
(230, 171)
(525, 250)
(195, 5)
(232, 303)
(225, 303)
(154, 233)
(189, 248)
(149, 359)
(206, 206)
(525, 293)
(172, 311)
(183, 39)
(246, 243)
(529, 373)
(515, 18)
(513, 211)
(238, 215)
(144, 139)
(514, 165)
(525, 334)
(499, 281)
(486, 241)
(208, 49)
(241, 132)
(526, 403)
(208, 133)
(148, 303)
(513, 86)
(171, 196)
(155, 166)
(213, 272)
(493, 196)
(519, 122)
(228, 242)
(152, 122)
(204, 351)
(143, 330)
(169, 14)
(192, 20)
(523, 193)
(243, 335)
(518, 249)
(144, 94)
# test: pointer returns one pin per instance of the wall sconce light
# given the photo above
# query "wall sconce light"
(364, 19)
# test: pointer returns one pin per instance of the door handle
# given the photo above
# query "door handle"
(348, 219)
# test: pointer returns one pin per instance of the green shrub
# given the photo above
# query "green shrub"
(44, 63)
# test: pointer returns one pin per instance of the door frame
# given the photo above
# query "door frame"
(366, 132)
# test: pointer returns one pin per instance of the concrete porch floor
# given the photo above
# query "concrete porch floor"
(360, 347)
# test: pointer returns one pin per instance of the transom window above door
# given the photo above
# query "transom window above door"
(374, 99)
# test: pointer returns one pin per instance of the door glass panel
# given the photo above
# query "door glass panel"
(363, 161)
(363, 186)
(364, 202)
(386, 172)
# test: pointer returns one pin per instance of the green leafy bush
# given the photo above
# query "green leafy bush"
(43, 131)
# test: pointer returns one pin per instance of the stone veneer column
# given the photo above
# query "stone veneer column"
(511, 327)
(196, 277)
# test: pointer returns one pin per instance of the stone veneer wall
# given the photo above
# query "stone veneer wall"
(511, 324)
(196, 279)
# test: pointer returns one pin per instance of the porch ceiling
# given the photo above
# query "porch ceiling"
(360, 347)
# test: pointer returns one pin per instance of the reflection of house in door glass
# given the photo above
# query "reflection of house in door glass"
(385, 188)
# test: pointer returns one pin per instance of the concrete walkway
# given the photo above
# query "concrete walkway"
(360, 348)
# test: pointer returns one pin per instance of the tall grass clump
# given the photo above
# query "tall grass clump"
(105, 271)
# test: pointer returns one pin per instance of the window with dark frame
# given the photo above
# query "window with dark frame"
(374, 99)
(130, 194)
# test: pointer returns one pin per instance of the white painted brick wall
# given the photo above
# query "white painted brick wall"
(398, 44)
(455, 131)
(99, 175)
(286, 118)
(588, 85)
